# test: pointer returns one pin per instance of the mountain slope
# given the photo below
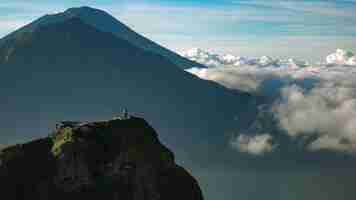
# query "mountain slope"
(106, 23)
(71, 70)
(115, 159)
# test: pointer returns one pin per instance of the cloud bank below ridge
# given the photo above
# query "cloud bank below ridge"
(311, 102)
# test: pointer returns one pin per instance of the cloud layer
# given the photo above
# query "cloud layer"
(340, 57)
(311, 102)
(217, 60)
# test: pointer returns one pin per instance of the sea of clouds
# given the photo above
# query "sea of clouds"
(309, 100)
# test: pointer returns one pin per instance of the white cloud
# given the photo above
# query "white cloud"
(230, 77)
(255, 145)
(214, 60)
(328, 111)
(324, 109)
(341, 57)
(332, 143)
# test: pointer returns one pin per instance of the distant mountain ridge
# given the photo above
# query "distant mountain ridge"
(106, 23)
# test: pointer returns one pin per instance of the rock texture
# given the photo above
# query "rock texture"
(116, 159)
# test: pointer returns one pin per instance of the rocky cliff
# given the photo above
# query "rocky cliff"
(116, 159)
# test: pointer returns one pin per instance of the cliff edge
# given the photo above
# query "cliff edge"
(116, 159)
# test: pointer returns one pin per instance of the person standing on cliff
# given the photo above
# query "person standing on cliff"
(125, 114)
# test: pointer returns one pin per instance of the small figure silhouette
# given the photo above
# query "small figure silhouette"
(125, 114)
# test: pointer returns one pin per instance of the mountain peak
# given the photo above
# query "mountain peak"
(81, 9)
(85, 12)
(104, 22)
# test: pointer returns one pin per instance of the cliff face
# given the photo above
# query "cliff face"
(117, 159)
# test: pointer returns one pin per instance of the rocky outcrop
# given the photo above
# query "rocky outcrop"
(116, 159)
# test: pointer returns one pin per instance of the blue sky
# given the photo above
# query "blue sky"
(305, 29)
